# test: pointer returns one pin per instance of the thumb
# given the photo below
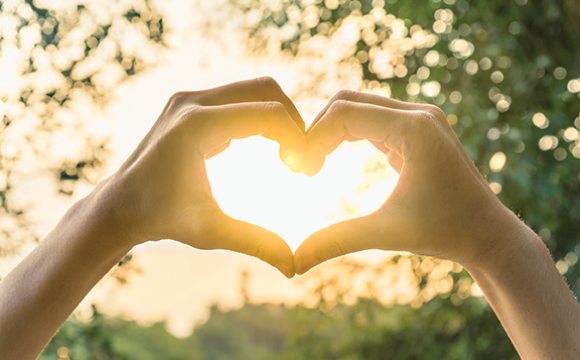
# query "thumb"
(239, 236)
(395, 160)
(369, 232)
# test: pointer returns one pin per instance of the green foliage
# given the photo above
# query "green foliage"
(93, 340)
(103, 338)
(367, 330)
(339, 323)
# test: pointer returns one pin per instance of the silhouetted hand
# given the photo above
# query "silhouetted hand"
(441, 205)
(162, 191)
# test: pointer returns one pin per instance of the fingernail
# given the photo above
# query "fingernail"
(304, 264)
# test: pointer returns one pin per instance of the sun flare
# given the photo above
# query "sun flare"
(250, 183)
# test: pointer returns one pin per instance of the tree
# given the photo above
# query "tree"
(60, 63)
(330, 327)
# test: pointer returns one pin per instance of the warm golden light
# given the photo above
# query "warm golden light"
(250, 183)
(289, 160)
(497, 161)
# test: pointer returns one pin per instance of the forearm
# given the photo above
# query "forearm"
(41, 292)
(530, 297)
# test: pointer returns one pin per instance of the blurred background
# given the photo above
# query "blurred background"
(82, 81)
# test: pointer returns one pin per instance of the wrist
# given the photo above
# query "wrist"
(531, 299)
(105, 214)
(507, 246)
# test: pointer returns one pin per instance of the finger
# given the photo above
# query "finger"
(223, 232)
(313, 162)
(374, 99)
(235, 121)
(365, 98)
(364, 233)
(254, 90)
(393, 127)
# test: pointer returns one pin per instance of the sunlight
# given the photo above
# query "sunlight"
(250, 183)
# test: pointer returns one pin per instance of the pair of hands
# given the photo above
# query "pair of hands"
(440, 207)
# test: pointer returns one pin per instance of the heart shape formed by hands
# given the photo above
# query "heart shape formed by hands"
(441, 206)
(438, 197)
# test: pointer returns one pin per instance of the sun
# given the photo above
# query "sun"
(251, 183)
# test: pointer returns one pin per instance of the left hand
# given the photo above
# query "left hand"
(162, 190)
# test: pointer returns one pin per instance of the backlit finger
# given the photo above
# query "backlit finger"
(254, 90)
(222, 232)
(364, 233)
(235, 121)
(392, 127)
(374, 99)
(366, 98)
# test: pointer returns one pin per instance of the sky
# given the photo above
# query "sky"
(177, 283)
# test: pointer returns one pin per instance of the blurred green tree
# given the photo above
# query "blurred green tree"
(367, 330)
(80, 340)
(104, 338)
(59, 63)
(336, 324)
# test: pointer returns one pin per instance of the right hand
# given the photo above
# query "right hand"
(441, 206)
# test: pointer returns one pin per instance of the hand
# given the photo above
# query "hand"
(162, 191)
(441, 205)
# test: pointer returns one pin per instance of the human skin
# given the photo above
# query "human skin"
(160, 192)
(443, 207)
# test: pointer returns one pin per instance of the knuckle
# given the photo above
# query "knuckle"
(190, 118)
(258, 250)
(339, 108)
(334, 250)
(436, 112)
(191, 112)
(424, 119)
(182, 99)
(345, 95)
(177, 98)
(429, 129)
(422, 125)
(274, 108)
(267, 83)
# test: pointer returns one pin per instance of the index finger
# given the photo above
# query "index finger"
(396, 128)
(236, 121)
(365, 98)
(254, 90)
